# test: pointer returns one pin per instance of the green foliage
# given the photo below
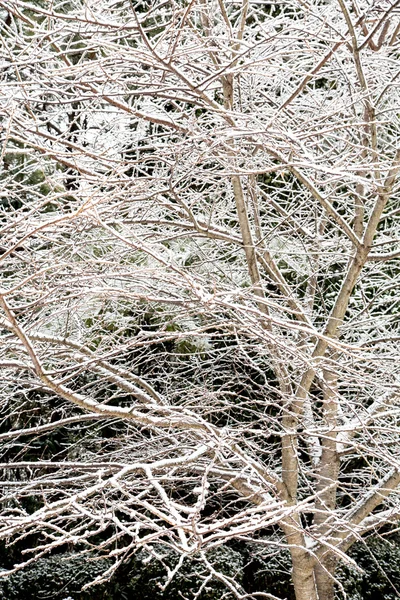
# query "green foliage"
(24, 179)
(144, 578)
(61, 576)
(380, 560)
(270, 571)
(148, 576)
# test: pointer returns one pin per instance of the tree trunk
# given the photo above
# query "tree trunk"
(302, 562)
(324, 577)
(303, 576)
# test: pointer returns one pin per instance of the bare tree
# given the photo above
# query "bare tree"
(199, 277)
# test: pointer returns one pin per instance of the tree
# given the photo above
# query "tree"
(199, 284)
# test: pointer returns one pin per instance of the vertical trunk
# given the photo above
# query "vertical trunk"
(304, 582)
(327, 473)
(328, 466)
(324, 577)
(302, 562)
